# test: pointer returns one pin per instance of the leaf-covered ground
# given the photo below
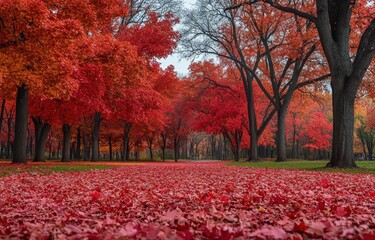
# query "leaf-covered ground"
(187, 201)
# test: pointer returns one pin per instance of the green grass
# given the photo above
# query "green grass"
(49, 169)
(367, 167)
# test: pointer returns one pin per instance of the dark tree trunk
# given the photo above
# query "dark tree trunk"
(191, 150)
(280, 136)
(95, 138)
(58, 150)
(41, 134)
(150, 143)
(235, 144)
(175, 144)
(343, 130)
(2, 149)
(72, 150)
(151, 153)
(86, 148)
(110, 148)
(225, 154)
(2, 114)
(364, 147)
(370, 147)
(196, 152)
(238, 138)
(163, 144)
(294, 143)
(50, 151)
(66, 144)
(297, 149)
(370, 153)
(126, 150)
(30, 145)
(163, 153)
(20, 132)
(78, 149)
(8, 138)
(213, 147)
(84, 141)
(127, 128)
(252, 125)
(122, 153)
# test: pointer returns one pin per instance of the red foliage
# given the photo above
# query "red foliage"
(318, 131)
(155, 39)
(186, 201)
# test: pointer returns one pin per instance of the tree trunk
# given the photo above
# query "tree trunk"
(2, 114)
(150, 142)
(163, 153)
(175, 143)
(213, 147)
(30, 144)
(8, 137)
(2, 149)
(294, 142)
(297, 149)
(50, 151)
(196, 152)
(66, 144)
(252, 126)
(343, 129)
(151, 153)
(41, 134)
(95, 138)
(127, 128)
(238, 146)
(364, 147)
(20, 138)
(280, 136)
(58, 150)
(235, 144)
(126, 145)
(370, 147)
(110, 148)
(72, 150)
(164, 144)
(78, 150)
(86, 147)
(225, 153)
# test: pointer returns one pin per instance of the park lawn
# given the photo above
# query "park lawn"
(187, 200)
(367, 167)
(6, 168)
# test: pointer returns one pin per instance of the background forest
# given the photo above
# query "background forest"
(282, 90)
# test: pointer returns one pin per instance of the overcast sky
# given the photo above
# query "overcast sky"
(181, 65)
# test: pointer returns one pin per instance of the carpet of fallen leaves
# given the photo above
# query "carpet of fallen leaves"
(187, 201)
